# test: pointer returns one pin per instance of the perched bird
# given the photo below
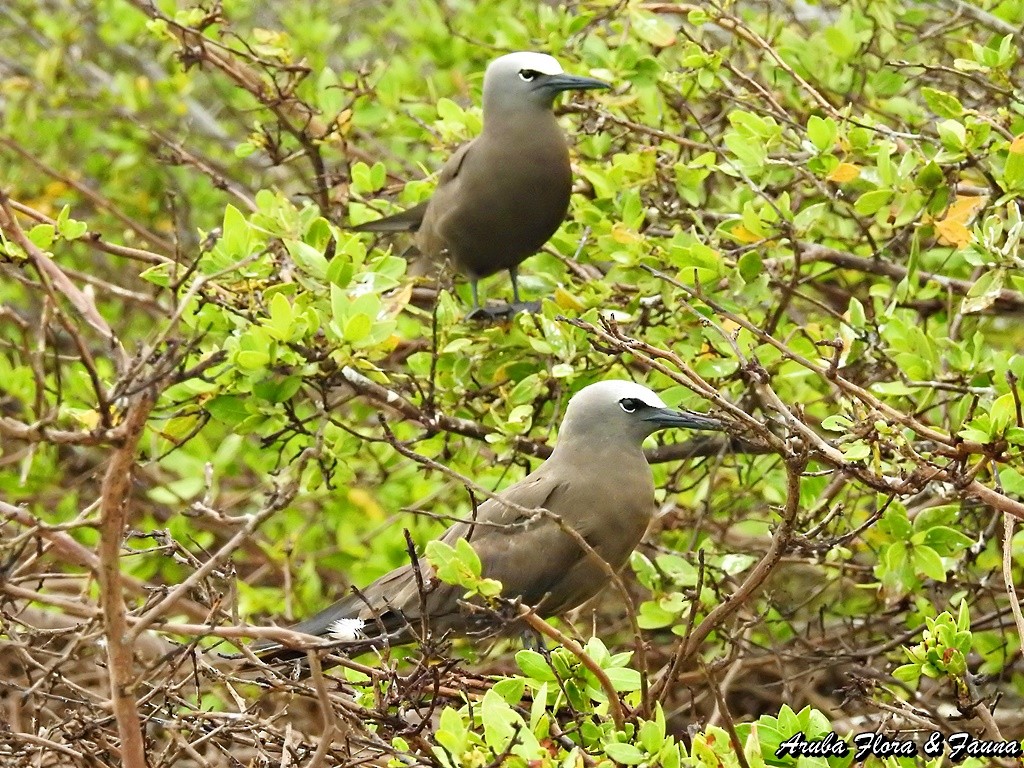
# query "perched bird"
(501, 196)
(596, 481)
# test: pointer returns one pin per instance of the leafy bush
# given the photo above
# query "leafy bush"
(220, 408)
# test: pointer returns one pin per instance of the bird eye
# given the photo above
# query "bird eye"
(527, 75)
(629, 404)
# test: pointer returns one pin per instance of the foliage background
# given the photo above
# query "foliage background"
(803, 217)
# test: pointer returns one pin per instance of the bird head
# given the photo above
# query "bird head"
(525, 79)
(625, 410)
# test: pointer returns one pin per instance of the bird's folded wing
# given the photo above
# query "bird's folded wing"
(538, 556)
(451, 168)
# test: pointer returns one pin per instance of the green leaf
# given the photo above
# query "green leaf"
(653, 616)
(252, 359)
(460, 565)
(330, 95)
(653, 29)
(229, 409)
(69, 228)
(42, 235)
(908, 673)
(357, 328)
(953, 135)
(836, 423)
(626, 754)
(927, 561)
(449, 110)
(930, 177)
(1013, 171)
(941, 103)
(822, 132)
(895, 524)
(871, 202)
(535, 666)
(984, 292)
(623, 678)
(453, 731)
(1012, 481)
(307, 258)
(282, 319)
(236, 238)
(750, 265)
(857, 450)
(1002, 414)
(651, 733)
(510, 689)
(963, 619)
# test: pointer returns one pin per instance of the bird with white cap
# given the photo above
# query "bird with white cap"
(599, 492)
(500, 197)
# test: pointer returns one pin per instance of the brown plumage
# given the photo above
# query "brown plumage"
(500, 197)
(597, 481)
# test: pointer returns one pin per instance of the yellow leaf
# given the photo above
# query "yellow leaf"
(623, 235)
(744, 235)
(1017, 145)
(362, 500)
(343, 122)
(88, 419)
(566, 300)
(843, 173)
(397, 300)
(390, 344)
(953, 232)
(952, 229)
(964, 208)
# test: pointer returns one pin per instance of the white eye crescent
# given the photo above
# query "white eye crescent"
(629, 404)
(527, 75)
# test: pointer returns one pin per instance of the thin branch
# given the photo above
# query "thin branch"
(114, 510)
(538, 624)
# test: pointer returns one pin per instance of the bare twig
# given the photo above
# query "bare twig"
(114, 510)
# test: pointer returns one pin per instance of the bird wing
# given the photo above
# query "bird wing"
(451, 168)
(405, 221)
(530, 553)
(410, 220)
(534, 556)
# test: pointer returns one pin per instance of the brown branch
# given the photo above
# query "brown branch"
(95, 239)
(1011, 591)
(766, 565)
(92, 196)
(1008, 300)
(41, 433)
(993, 498)
(51, 273)
(177, 594)
(70, 551)
(115, 491)
(386, 397)
(698, 447)
(537, 624)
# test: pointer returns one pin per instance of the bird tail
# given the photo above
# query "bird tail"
(351, 623)
(405, 221)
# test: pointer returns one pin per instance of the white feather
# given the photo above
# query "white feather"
(538, 62)
(613, 390)
(346, 630)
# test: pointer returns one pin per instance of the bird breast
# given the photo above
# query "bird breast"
(510, 196)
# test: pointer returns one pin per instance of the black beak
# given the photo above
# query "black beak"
(666, 417)
(564, 82)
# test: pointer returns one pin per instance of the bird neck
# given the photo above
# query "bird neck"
(532, 122)
(600, 449)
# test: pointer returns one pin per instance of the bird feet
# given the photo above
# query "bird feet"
(502, 312)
